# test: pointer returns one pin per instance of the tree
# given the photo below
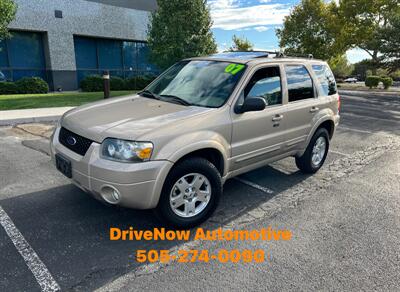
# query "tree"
(240, 44)
(7, 14)
(365, 23)
(363, 69)
(340, 66)
(180, 29)
(391, 42)
(313, 27)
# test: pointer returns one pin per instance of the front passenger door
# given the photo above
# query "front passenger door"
(258, 136)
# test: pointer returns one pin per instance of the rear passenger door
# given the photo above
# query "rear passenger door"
(301, 106)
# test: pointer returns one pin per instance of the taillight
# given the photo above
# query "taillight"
(338, 103)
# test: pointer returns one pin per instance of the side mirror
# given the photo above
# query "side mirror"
(251, 104)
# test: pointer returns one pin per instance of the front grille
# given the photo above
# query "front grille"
(74, 142)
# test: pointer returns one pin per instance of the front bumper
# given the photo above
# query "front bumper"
(139, 184)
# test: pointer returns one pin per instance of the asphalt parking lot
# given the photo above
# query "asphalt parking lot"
(345, 220)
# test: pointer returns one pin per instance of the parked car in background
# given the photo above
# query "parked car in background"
(203, 121)
(351, 80)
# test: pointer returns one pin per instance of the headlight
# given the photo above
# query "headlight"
(126, 151)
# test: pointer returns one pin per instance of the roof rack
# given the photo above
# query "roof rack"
(257, 54)
(283, 55)
(307, 56)
(278, 54)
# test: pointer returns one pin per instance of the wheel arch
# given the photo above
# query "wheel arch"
(325, 122)
(211, 154)
(329, 125)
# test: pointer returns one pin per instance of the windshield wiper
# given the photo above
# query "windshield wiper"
(148, 93)
(176, 99)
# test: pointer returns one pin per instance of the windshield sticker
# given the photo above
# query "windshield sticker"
(234, 68)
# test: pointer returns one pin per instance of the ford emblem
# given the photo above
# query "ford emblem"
(71, 141)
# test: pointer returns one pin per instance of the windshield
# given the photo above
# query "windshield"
(201, 83)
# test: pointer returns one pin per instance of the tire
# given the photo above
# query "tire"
(305, 162)
(205, 174)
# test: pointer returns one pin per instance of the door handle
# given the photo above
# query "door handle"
(314, 109)
(277, 118)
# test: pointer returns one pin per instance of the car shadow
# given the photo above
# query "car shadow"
(69, 230)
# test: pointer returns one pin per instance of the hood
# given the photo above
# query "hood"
(125, 118)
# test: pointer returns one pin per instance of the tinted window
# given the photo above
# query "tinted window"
(85, 53)
(26, 50)
(124, 59)
(130, 55)
(22, 55)
(265, 83)
(327, 83)
(110, 54)
(3, 54)
(143, 56)
(300, 85)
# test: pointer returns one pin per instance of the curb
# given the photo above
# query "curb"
(25, 116)
(369, 93)
(12, 122)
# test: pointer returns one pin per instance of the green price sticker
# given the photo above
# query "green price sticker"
(234, 68)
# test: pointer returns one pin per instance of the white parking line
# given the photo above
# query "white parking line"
(339, 153)
(32, 260)
(254, 185)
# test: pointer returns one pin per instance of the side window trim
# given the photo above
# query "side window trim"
(312, 77)
(314, 80)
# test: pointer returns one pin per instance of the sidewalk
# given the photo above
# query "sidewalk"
(38, 115)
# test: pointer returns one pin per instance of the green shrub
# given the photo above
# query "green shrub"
(117, 83)
(139, 82)
(387, 82)
(92, 83)
(8, 88)
(143, 81)
(372, 81)
(95, 83)
(32, 85)
(130, 83)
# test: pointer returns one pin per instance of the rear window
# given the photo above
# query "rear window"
(327, 83)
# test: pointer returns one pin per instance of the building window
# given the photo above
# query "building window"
(124, 59)
(23, 56)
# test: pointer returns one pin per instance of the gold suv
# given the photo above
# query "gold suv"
(172, 146)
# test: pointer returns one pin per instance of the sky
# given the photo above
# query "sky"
(256, 20)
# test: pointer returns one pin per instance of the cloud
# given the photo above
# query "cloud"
(222, 4)
(230, 15)
(261, 28)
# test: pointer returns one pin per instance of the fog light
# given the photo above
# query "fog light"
(115, 195)
(110, 194)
